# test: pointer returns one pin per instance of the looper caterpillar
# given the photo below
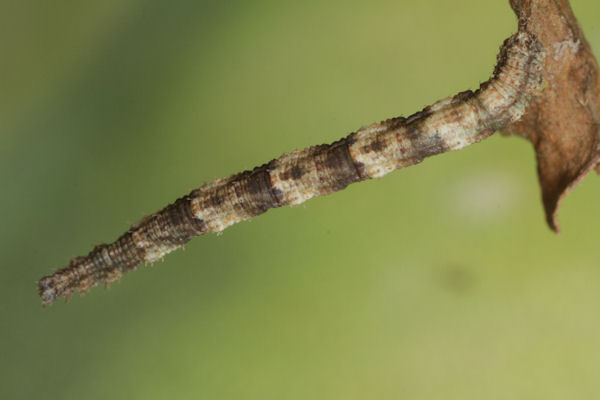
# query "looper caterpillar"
(371, 152)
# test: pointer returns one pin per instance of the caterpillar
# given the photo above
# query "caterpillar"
(293, 178)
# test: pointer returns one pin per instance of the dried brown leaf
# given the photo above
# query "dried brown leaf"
(563, 121)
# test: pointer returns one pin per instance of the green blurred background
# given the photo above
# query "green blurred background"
(440, 281)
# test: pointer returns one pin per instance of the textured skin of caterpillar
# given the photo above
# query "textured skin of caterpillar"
(293, 178)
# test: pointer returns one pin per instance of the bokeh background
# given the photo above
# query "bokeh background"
(440, 281)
